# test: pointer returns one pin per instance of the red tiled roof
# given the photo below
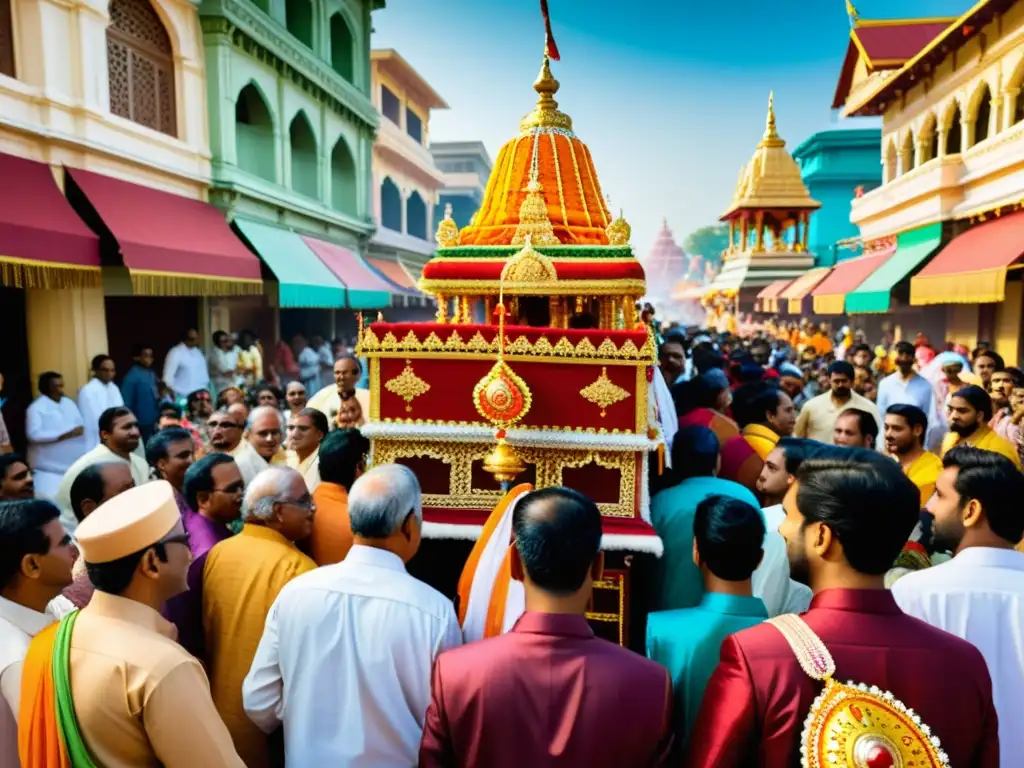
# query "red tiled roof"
(898, 42)
(885, 44)
(956, 33)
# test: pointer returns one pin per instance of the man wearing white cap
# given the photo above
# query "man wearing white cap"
(109, 685)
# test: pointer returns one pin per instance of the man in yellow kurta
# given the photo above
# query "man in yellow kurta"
(970, 410)
(905, 428)
(241, 579)
(109, 685)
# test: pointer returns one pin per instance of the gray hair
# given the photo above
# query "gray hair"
(381, 499)
(264, 410)
(266, 489)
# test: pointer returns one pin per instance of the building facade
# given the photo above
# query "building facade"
(466, 167)
(406, 180)
(98, 99)
(292, 127)
(837, 166)
(952, 178)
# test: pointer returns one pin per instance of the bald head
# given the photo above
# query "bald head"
(558, 537)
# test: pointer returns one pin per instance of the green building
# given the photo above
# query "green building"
(292, 128)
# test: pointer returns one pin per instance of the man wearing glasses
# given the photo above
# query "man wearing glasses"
(139, 698)
(242, 577)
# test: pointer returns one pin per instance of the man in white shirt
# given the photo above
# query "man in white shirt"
(36, 555)
(308, 360)
(119, 438)
(979, 594)
(95, 397)
(54, 428)
(353, 643)
(817, 419)
(261, 446)
(185, 368)
(779, 593)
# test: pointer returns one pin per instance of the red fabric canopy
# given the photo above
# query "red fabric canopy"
(830, 295)
(37, 224)
(972, 268)
(157, 232)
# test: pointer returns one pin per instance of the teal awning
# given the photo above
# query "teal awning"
(912, 249)
(303, 279)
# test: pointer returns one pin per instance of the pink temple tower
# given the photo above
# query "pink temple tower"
(665, 266)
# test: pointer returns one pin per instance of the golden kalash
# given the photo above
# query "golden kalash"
(536, 372)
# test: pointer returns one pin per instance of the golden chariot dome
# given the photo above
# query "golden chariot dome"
(771, 180)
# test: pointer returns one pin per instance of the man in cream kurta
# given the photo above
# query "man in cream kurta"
(54, 428)
(95, 397)
(347, 371)
(119, 444)
(139, 698)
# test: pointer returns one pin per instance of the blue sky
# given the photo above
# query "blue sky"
(669, 95)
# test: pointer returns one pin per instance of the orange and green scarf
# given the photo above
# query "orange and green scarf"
(48, 735)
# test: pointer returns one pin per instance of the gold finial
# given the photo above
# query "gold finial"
(771, 135)
(619, 231)
(545, 114)
(447, 235)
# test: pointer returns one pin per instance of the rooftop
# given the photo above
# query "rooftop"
(391, 61)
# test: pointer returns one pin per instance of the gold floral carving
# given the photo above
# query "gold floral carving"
(619, 231)
(407, 385)
(603, 393)
(549, 463)
(529, 266)
(583, 351)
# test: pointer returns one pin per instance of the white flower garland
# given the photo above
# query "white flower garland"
(530, 438)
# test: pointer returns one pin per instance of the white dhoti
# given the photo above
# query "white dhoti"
(47, 483)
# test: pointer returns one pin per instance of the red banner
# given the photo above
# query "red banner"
(550, 49)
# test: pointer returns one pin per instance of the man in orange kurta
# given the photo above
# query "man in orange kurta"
(241, 579)
(342, 460)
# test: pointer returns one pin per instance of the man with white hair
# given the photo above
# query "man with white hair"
(261, 446)
(242, 577)
(353, 643)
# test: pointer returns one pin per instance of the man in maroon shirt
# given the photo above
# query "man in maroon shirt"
(548, 691)
(848, 515)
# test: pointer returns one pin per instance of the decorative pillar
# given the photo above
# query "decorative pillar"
(489, 303)
(465, 310)
(759, 235)
(732, 234)
(806, 215)
(795, 240)
(606, 313)
(442, 309)
(995, 118)
(966, 134)
(942, 141)
(1010, 106)
(744, 233)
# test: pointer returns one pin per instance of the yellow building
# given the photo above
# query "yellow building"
(406, 180)
(104, 101)
(953, 174)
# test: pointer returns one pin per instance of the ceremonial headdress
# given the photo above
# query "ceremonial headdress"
(128, 523)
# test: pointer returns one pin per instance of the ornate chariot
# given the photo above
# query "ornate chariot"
(537, 368)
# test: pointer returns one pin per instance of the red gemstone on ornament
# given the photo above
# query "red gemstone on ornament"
(855, 711)
(500, 434)
(879, 756)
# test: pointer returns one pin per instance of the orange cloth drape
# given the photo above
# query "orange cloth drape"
(39, 740)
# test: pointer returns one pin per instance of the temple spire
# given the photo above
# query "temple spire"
(771, 135)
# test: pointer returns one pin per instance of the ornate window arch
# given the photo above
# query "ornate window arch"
(305, 161)
(344, 179)
(416, 216)
(343, 47)
(140, 66)
(954, 132)
(982, 113)
(390, 205)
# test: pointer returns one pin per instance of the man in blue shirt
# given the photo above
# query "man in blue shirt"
(727, 547)
(139, 391)
(911, 388)
(695, 464)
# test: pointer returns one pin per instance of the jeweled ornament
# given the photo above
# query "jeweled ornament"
(854, 725)
(501, 396)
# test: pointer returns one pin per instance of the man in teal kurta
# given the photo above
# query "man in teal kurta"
(726, 547)
(695, 461)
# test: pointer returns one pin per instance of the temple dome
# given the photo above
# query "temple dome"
(548, 161)
(771, 180)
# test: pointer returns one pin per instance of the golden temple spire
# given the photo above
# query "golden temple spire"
(771, 135)
(545, 114)
(534, 224)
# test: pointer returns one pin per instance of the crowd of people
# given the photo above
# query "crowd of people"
(231, 589)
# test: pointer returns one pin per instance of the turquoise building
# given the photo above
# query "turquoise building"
(834, 164)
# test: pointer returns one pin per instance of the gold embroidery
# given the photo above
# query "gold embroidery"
(407, 385)
(604, 393)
